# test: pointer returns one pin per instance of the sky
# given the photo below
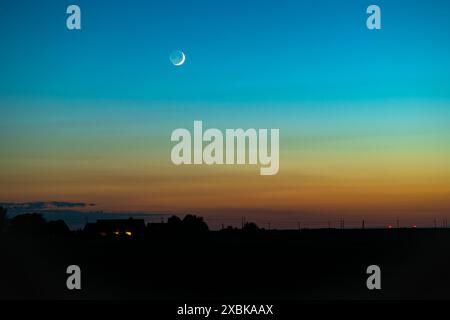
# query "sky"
(86, 115)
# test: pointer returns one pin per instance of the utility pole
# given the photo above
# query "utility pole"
(363, 224)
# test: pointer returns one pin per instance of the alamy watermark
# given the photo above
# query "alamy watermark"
(236, 146)
(73, 21)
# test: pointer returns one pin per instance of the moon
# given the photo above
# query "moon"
(177, 58)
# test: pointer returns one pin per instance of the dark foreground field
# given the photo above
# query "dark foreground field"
(309, 264)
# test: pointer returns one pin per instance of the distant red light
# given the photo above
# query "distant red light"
(414, 226)
(389, 227)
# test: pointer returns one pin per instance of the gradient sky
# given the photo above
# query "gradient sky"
(364, 116)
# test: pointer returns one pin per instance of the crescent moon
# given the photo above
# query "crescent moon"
(183, 58)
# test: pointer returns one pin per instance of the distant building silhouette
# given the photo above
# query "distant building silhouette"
(131, 228)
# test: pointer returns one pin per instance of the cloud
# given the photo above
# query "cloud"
(43, 205)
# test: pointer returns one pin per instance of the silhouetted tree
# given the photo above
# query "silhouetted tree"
(3, 219)
(174, 221)
(250, 227)
(30, 224)
(174, 225)
(192, 223)
(58, 228)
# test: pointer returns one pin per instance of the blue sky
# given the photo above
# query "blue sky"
(236, 52)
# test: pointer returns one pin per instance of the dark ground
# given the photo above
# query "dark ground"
(307, 264)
